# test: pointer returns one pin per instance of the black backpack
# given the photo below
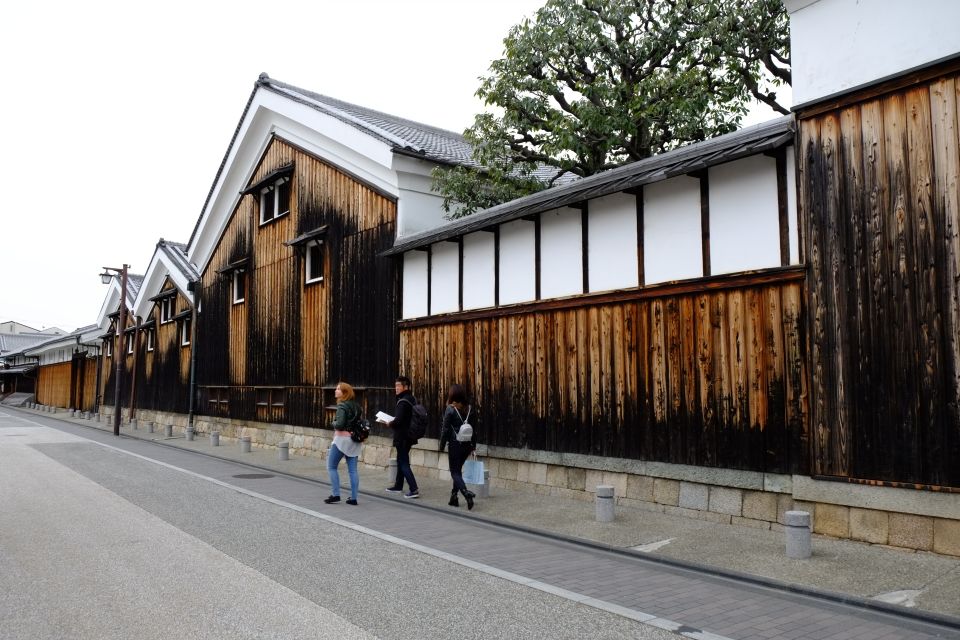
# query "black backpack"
(418, 421)
(359, 428)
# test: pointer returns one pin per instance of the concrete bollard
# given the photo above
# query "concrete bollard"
(190, 434)
(214, 438)
(149, 427)
(283, 450)
(134, 423)
(604, 503)
(168, 431)
(482, 490)
(797, 532)
(245, 444)
(392, 472)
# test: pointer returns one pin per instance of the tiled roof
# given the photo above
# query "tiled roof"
(134, 281)
(400, 133)
(177, 252)
(15, 343)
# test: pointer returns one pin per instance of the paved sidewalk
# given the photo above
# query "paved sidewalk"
(927, 581)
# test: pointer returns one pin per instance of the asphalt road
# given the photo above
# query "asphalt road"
(98, 543)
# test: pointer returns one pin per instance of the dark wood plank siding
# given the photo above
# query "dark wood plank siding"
(54, 384)
(711, 377)
(163, 375)
(294, 336)
(879, 199)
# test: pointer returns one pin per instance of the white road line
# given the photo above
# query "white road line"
(609, 607)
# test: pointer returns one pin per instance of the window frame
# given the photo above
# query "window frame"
(239, 277)
(151, 338)
(308, 261)
(185, 332)
(128, 339)
(168, 309)
(109, 349)
(271, 192)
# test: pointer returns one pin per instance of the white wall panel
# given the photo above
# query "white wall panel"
(414, 284)
(479, 276)
(672, 248)
(517, 262)
(612, 242)
(792, 220)
(444, 278)
(561, 253)
(744, 215)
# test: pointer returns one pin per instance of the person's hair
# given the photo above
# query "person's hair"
(346, 391)
(457, 393)
(405, 381)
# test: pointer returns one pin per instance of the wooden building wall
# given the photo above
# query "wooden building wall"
(277, 355)
(108, 367)
(163, 375)
(708, 373)
(54, 384)
(880, 195)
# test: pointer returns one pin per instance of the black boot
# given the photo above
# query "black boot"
(469, 495)
(454, 502)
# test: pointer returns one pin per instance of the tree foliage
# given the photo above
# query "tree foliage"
(587, 85)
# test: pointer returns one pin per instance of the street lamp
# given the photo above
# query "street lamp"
(118, 349)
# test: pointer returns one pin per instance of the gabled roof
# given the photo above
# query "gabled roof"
(17, 342)
(87, 335)
(693, 157)
(177, 252)
(169, 260)
(133, 286)
(402, 134)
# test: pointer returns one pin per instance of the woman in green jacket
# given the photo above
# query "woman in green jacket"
(343, 446)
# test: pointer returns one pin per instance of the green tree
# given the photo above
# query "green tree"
(587, 85)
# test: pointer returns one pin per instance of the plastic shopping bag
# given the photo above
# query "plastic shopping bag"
(473, 471)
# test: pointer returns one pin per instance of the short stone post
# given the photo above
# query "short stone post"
(150, 427)
(134, 423)
(214, 438)
(797, 533)
(604, 503)
(245, 444)
(392, 472)
(190, 434)
(283, 450)
(168, 431)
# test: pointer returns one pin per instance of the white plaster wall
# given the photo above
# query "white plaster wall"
(744, 215)
(838, 45)
(414, 284)
(561, 253)
(479, 270)
(671, 230)
(418, 211)
(517, 262)
(612, 242)
(444, 278)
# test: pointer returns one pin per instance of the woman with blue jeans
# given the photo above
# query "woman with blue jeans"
(343, 445)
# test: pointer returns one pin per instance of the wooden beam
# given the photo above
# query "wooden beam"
(641, 276)
(536, 253)
(460, 273)
(705, 220)
(782, 207)
(496, 267)
(585, 245)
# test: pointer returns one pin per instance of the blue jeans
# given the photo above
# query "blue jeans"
(404, 472)
(333, 461)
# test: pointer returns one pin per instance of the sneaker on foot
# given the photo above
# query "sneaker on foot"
(332, 499)
(394, 490)
(412, 495)
(351, 501)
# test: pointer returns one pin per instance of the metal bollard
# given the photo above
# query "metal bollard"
(168, 431)
(214, 438)
(283, 450)
(190, 434)
(245, 444)
(604, 503)
(392, 472)
(797, 532)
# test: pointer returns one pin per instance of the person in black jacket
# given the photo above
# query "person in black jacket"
(400, 425)
(459, 412)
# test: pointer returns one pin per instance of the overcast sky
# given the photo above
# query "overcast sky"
(115, 115)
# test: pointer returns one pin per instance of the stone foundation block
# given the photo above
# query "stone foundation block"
(538, 473)
(577, 479)
(760, 505)
(523, 471)
(800, 505)
(727, 501)
(432, 459)
(642, 505)
(946, 536)
(639, 488)
(616, 480)
(507, 470)
(869, 525)
(570, 494)
(592, 479)
(710, 516)
(666, 492)
(682, 512)
(694, 496)
(556, 476)
(831, 520)
(416, 457)
(912, 532)
(784, 504)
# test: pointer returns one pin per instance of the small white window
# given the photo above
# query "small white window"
(151, 336)
(128, 338)
(168, 308)
(185, 332)
(239, 285)
(314, 265)
(110, 348)
(275, 200)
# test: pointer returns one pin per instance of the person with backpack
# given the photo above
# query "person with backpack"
(458, 431)
(403, 440)
(343, 445)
